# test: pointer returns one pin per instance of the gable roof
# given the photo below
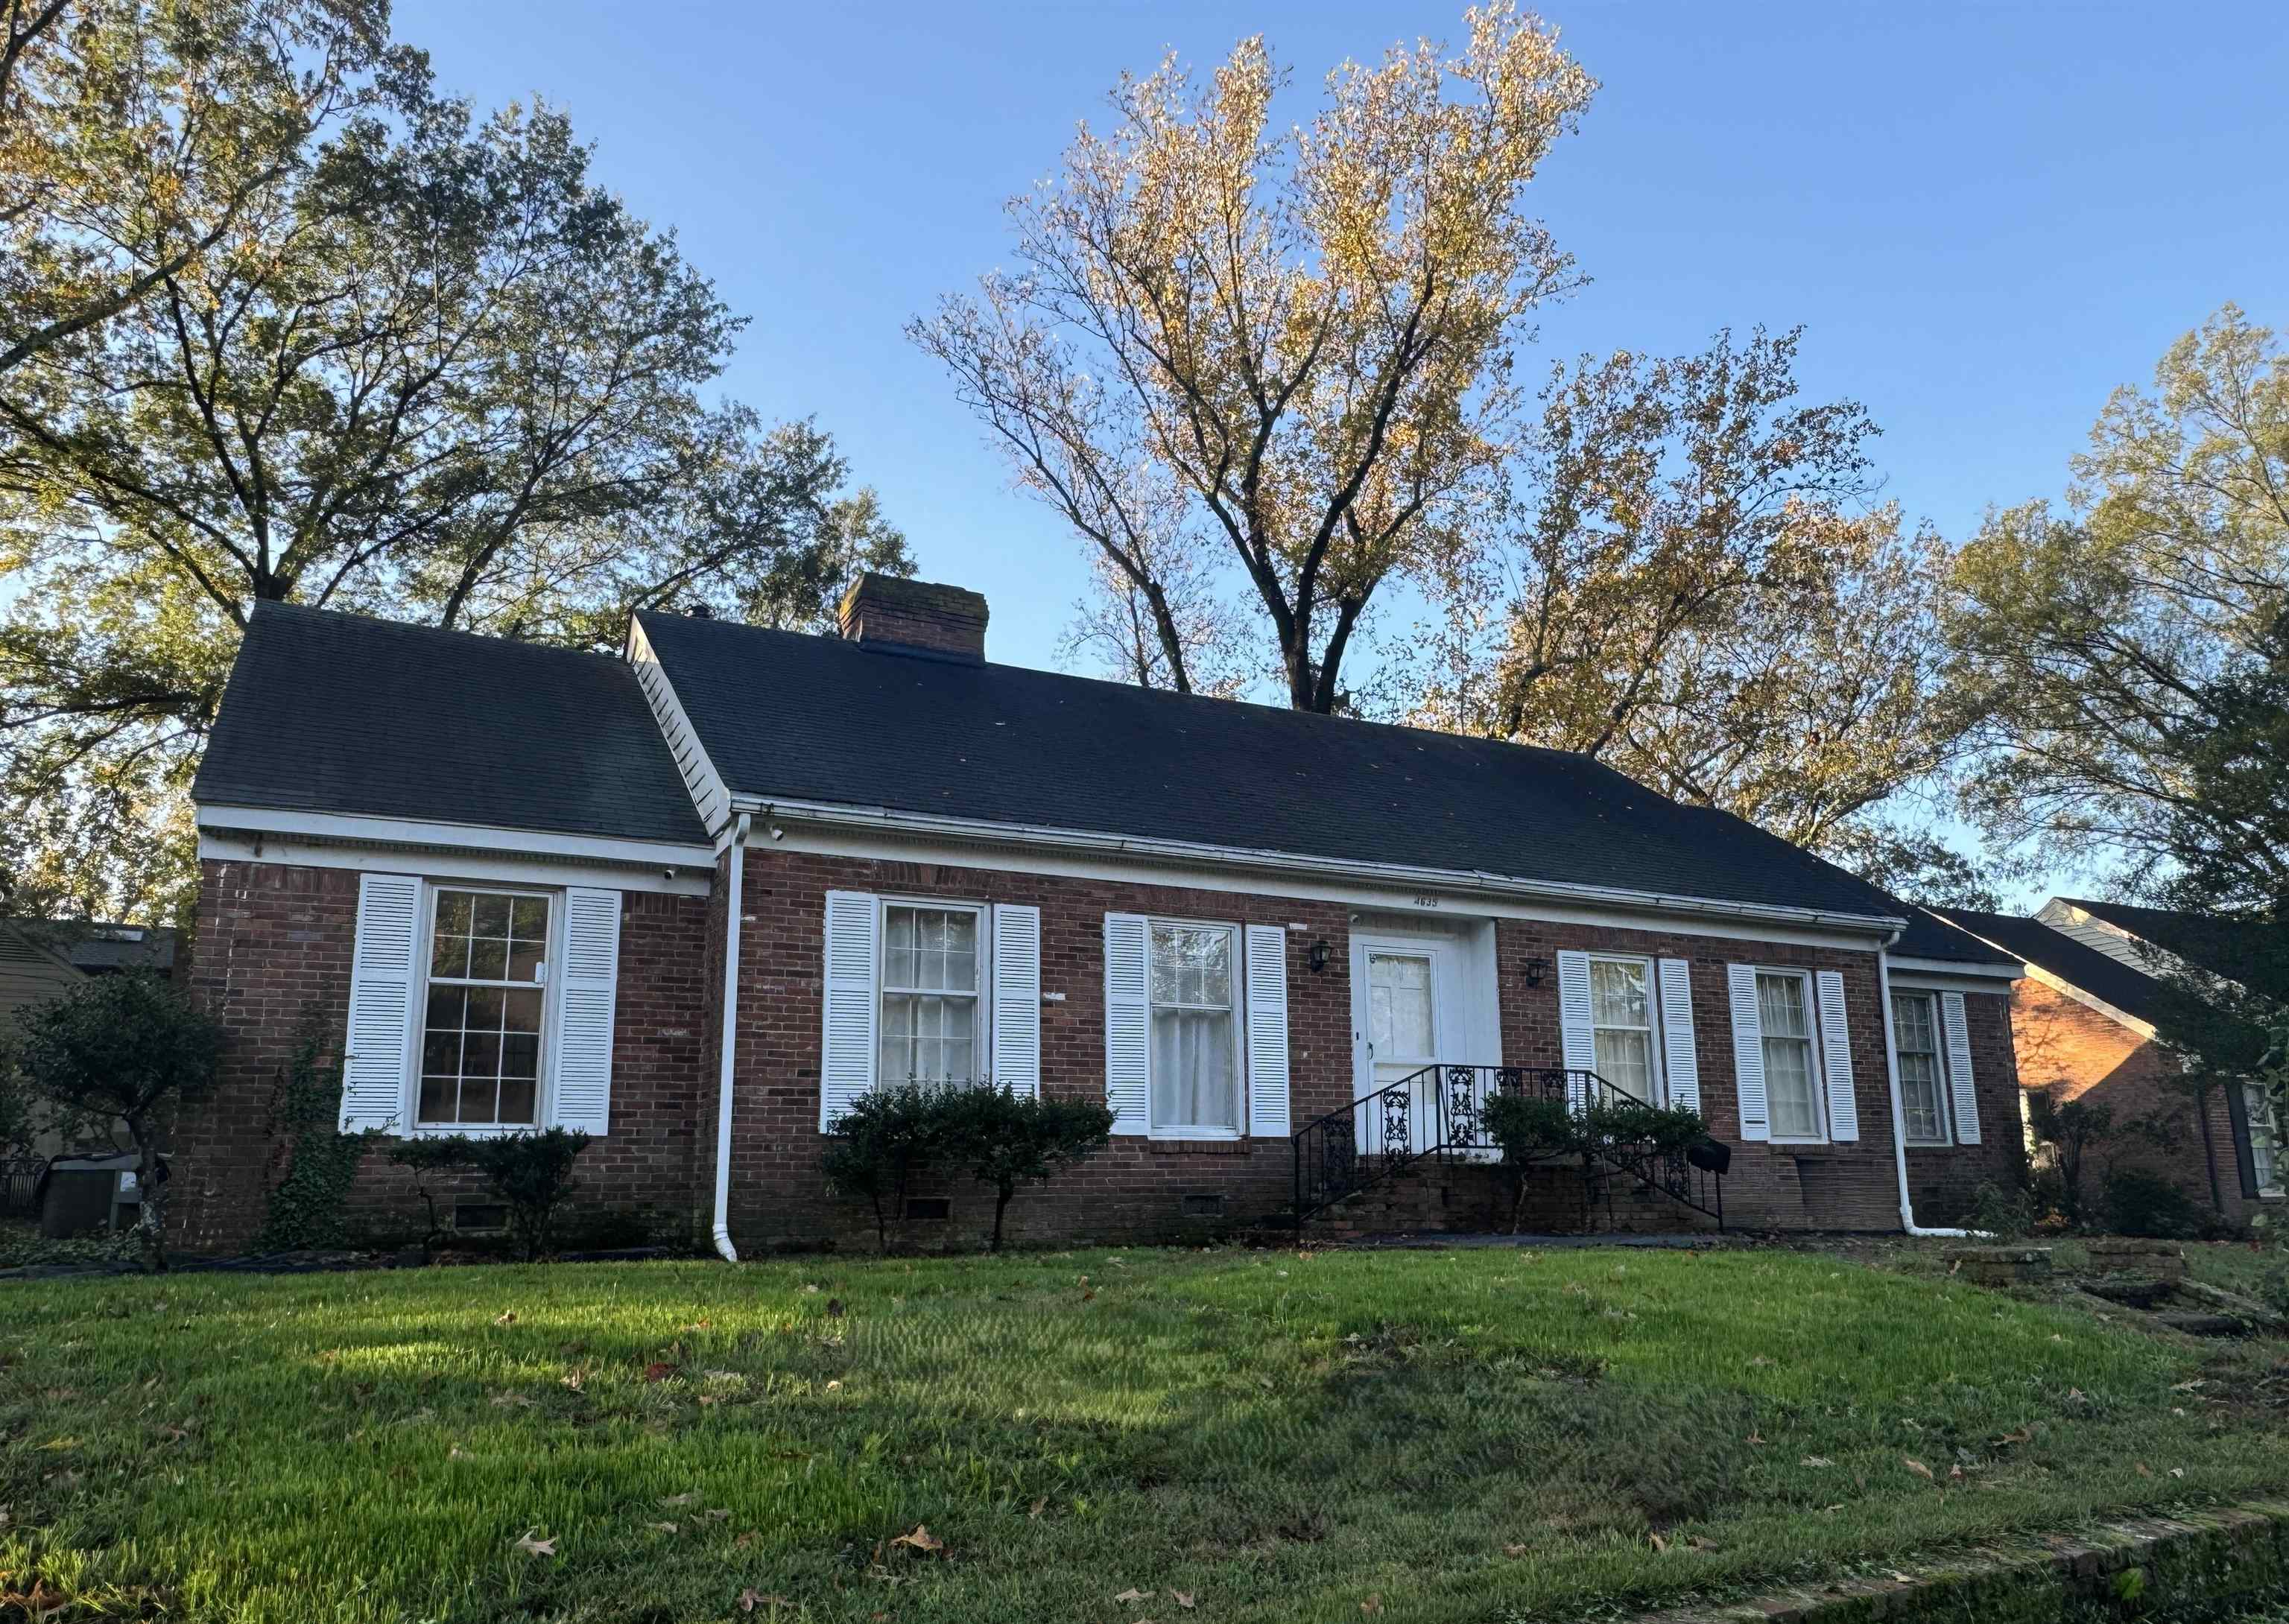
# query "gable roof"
(2078, 964)
(330, 712)
(793, 717)
(98, 945)
(2223, 947)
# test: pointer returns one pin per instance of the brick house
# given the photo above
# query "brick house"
(2098, 978)
(698, 898)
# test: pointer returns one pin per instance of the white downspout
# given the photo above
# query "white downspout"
(1899, 1116)
(730, 1038)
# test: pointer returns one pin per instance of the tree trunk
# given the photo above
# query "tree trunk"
(151, 1217)
(1001, 1205)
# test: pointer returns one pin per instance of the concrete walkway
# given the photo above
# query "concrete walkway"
(1435, 1242)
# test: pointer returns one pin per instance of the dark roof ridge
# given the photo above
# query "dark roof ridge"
(1164, 695)
(273, 605)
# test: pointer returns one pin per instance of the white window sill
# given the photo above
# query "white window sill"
(1193, 1136)
(1800, 1144)
(473, 1130)
(1929, 1144)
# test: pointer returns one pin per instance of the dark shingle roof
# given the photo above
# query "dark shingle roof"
(790, 716)
(2223, 947)
(2127, 988)
(93, 944)
(1930, 937)
(342, 714)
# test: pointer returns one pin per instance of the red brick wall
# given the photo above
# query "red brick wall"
(2087, 1055)
(1944, 1183)
(1133, 1191)
(273, 957)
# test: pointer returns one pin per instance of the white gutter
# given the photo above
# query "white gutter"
(1398, 875)
(1899, 1116)
(729, 1040)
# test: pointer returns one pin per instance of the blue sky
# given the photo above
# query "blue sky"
(1986, 216)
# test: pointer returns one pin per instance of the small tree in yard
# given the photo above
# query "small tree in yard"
(881, 1139)
(1006, 1139)
(124, 1051)
(531, 1172)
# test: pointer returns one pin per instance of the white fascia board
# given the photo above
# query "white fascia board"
(709, 796)
(1961, 977)
(325, 840)
(872, 831)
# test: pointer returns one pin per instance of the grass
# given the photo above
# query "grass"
(1431, 1436)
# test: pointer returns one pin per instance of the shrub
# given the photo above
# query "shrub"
(2006, 1213)
(2141, 1203)
(126, 1050)
(1529, 1129)
(531, 1172)
(1632, 1122)
(306, 1207)
(1006, 1139)
(882, 1138)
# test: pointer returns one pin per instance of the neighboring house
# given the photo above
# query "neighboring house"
(2098, 980)
(44, 959)
(697, 899)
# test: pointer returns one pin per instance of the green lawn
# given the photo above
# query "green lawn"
(1460, 1434)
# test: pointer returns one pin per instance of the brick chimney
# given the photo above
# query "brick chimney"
(888, 611)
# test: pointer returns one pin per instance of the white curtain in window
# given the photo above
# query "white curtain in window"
(1194, 1081)
(1622, 1011)
(1791, 1088)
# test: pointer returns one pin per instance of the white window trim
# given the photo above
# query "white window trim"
(1201, 1133)
(544, 1091)
(1819, 1058)
(1946, 1140)
(1657, 1052)
(982, 1049)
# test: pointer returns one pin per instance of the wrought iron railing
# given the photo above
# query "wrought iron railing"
(1441, 1111)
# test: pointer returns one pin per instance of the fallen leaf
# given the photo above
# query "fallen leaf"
(683, 1498)
(658, 1371)
(747, 1599)
(834, 1386)
(717, 1514)
(2142, 1472)
(811, 1291)
(505, 1318)
(661, 1527)
(1515, 1550)
(1034, 1515)
(1658, 1543)
(1917, 1466)
(2022, 1435)
(1818, 1460)
(1955, 1473)
(457, 1453)
(920, 1539)
(1133, 1594)
(532, 1547)
(1183, 1598)
(745, 1540)
(1754, 1439)
(1374, 1604)
(502, 1401)
(2175, 1471)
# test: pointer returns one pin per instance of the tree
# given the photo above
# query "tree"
(2103, 645)
(126, 1049)
(1005, 1139)
(1287, 351)
(1685, 585)
(443, 376)
(136, 136)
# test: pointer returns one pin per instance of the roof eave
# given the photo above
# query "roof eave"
(1459, 880)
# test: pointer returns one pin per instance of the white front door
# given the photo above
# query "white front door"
(1400, 1021)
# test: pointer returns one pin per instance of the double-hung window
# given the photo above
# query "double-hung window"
(1195, 1041)
(930, 1032)
(1791, 1062)
(1923, 1094)
(486, 1006)
(1621, 1017)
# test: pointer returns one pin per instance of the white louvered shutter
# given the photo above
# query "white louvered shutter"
(383, 973)
(846, 1054)
(1748, 1051)
(1127, 1022)
(1677, 1059)
(1267, 1032)
(1018, 998)
(1966, 1097)
(1577, 1037)
(587, 992)
(1836, 1056)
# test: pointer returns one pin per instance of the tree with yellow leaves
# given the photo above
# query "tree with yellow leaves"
(1291, 349)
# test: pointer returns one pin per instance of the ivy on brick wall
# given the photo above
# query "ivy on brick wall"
(309, 1204)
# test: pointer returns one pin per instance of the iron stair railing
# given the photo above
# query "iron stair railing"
(1439, 1111)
